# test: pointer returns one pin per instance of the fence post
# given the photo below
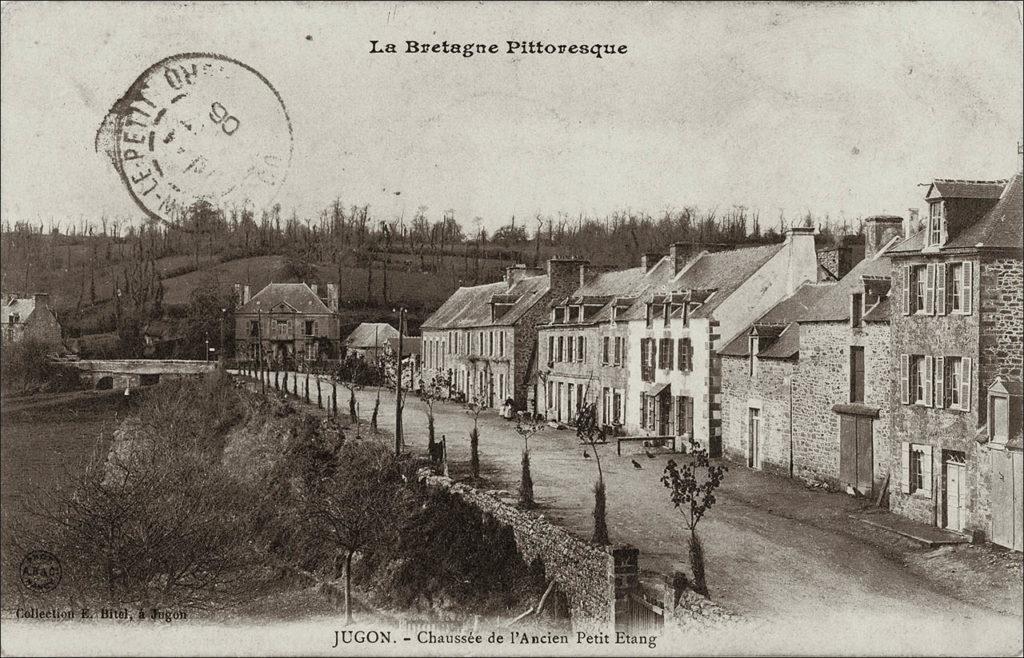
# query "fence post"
(307, 387)
(334, 399)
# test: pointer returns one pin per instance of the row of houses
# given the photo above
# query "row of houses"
(889, 366)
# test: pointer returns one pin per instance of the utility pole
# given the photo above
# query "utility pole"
(259, 355)
(398, 384)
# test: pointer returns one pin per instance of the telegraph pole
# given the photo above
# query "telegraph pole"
(398, 385)
(259, 355)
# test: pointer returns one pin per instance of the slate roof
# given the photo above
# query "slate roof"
(834, 306)
(721, 271)
(786, 312)
(297, 295)
(370, 334)
(999, 227)
(471, 306)
(952, 188)
(22, 306)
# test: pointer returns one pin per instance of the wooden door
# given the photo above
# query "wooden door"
(664, 413)
(1007, 483)
(856, 453)
(954, 499)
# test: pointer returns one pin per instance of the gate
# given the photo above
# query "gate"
(856, 453)
(640, 617)
(1007, 474)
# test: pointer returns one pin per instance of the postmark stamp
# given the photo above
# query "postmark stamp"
(40, 571)
(198, 127)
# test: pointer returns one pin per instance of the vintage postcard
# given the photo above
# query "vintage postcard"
(509, 328)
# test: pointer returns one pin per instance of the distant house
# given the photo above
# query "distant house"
(369, 339)
(287, 322)
(484, 338)
(28, 318)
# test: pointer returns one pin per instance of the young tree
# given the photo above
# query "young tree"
(527, 430)
(356, 506)
(353, 373)
(692, 491)
(590, 435)
(476, 407)
(430, 392)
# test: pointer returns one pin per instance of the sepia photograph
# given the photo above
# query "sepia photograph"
(511, 328)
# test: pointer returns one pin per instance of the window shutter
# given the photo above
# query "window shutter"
(905, 378)
(929, 379)
(940, 375)
(940, 289)
(906, 290)
(965, 384)
(929, 289)
(926, 470)
(905, 468)
(967, 304)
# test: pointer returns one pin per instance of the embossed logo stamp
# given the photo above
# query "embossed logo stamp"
(40, 571)
(198, 127)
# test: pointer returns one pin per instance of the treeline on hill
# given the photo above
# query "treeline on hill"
(118, 276)
(213, 496)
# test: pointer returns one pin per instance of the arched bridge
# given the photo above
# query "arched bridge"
(123, 373)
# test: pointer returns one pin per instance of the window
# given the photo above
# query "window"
(856, 374)
(647, 350)
(501, 344)
(571, 348)
(666, 313)
(580, 348)
(953, 377)
(561, 348)
(856, 309)
(565, 314)
(685, 355)
(917, 469)
(310, 327)
(684, 415)
(605, 350)
(918, 287)
(551, 350)
(617, 407)
(619, 344)
(752, 361)
(665, 353)
(956, 283)
(916, 374)
(605, 403)
(551, 394)
(254, 328)
(643, 410)
(490, 343)
(936, 221)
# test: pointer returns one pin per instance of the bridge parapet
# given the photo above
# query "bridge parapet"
(124, 373)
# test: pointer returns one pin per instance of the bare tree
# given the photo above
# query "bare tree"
(591, 435)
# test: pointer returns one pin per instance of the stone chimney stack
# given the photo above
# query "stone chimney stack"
(332, 297)
(312, 287)
(245, 294)
(648, 261)
(564, 275)
(42, 299)
(682, 253)
(878, 230)
(913, 221)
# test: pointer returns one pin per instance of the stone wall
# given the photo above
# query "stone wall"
(769, 392)
(823, 380)
(585, 573)
(1001, 297)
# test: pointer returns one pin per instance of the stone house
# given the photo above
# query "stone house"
(582, 346)
(485, 337)
(287, 322)
(28, 318)
(676, 329)
(842, 385)
(369, 340)
(758, 379)
(957, 325)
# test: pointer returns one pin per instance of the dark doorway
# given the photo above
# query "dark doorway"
(856, 453)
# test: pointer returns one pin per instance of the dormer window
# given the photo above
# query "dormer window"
(666, 311)
(936, 223)
(1004, 411)
(565, 314)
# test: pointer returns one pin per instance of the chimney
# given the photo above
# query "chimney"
(878, 230)
(564, 275)
(245, 294)
(518, 272)
(583, 274)
(42, 299)
(803, 257)
(312, 287)
(913, 223)
(681, 253)
(332, 297)
(648, 261)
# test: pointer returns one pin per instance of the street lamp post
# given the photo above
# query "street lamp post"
(398, 384)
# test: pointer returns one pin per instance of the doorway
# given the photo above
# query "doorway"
(954, 499)
(856, 454)
(754, 438)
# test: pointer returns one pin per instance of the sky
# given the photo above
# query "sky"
(841, 109)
